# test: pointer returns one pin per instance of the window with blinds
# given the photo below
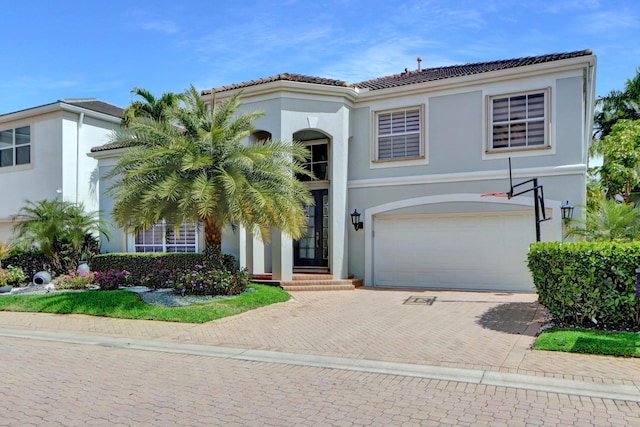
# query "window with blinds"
(399, 134)
(163, 237)
(519, 121)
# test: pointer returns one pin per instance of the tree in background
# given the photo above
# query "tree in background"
(150, 107)
(617, 139)
(621, 158)
(190, 163)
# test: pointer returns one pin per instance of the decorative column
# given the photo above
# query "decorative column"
(282, 256)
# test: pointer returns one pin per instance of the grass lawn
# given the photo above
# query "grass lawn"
(128, 305)
(624, 344)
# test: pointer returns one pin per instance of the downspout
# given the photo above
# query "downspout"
(80, 121)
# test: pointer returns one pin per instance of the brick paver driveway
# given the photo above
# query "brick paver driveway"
(475, 332)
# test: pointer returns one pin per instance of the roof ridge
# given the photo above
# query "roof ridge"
(459, 70)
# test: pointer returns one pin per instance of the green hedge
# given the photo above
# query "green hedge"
(30, 263)
(588, 284)
(141, 264)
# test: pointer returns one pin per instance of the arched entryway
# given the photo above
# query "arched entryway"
(311, 252)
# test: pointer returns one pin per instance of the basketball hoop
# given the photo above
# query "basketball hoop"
(499, 194)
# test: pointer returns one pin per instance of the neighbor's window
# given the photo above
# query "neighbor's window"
(519, 121)
(163, 237)
(15, 146)
(398, 134)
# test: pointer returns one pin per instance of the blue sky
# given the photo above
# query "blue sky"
(59, 49)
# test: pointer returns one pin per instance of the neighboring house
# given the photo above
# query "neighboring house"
(414, 153)
(43, 154)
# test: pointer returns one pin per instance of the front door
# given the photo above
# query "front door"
(312, 250)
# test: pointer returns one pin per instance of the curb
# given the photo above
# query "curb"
(624, 392)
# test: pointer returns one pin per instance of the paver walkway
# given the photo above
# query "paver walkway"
(470, 330)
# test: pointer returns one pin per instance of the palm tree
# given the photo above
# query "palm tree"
(617, 105)
(194, 166)
(62, 230)
(150, 107)
(609, 221)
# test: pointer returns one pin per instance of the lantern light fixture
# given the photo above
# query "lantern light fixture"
(567, 211)
(355, 220)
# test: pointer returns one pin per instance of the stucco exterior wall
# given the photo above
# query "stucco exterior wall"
(42, 179)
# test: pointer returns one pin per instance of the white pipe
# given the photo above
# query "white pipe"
(80, 121)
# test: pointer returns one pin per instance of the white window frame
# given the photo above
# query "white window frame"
(162, 225)
(13, 148)
(420, 133)
(546, 121)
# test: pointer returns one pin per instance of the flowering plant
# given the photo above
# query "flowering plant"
(208, 281)
(111, 279)
(159, 277)
(12, 276)
(75, 279)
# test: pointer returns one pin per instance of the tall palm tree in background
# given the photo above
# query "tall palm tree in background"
(150, 107)
(190, 163)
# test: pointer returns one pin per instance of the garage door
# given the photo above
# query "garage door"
(483, 251)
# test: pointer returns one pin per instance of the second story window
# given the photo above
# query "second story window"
(399, 134)
(318, 163)
(518, 122)
(15, 146)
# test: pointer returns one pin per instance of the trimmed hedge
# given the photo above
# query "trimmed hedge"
(588, 284)
(140, 265)
(30, 263)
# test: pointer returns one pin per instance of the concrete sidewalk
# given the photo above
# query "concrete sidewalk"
(474, 337)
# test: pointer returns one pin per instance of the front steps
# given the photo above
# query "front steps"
(309, 282)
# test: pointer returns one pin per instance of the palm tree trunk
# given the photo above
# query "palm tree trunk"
(212, 234)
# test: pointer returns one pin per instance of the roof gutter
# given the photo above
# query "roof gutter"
(55, 107)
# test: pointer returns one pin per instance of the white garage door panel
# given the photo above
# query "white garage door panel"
(482, 251)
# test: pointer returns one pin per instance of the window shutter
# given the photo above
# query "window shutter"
(399, 134)
(518, 121)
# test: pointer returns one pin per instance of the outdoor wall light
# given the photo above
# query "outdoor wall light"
(355, 220)
(567, 211)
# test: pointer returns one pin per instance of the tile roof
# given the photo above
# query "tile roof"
(281, 77)
(415, 76)
(439, 73)
(106, 147)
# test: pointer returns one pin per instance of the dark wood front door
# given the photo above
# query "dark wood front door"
(312, 250)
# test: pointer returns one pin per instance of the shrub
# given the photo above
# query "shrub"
(111, 279)
(62, 230)
(74, 279)
(206, 281)
(587, 283)
(153, 269)
(12, 276)
(30, 262)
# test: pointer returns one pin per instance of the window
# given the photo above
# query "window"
(15, 146)
(164, 238)
(519, 121)
(398, 134)
(318, 163)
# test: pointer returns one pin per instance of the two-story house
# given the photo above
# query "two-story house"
(415, 154)
(43, 154)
